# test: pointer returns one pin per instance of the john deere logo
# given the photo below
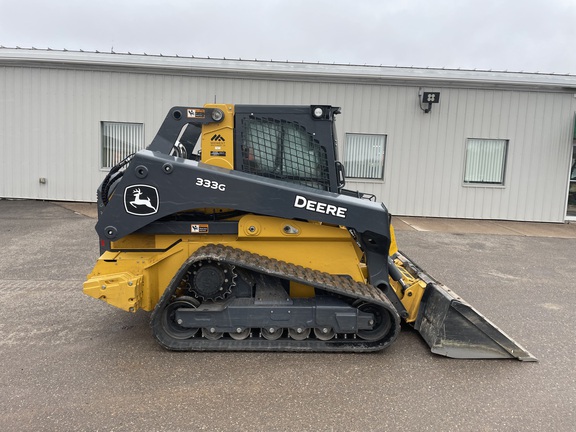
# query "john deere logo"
(217, 137)
(141, 200)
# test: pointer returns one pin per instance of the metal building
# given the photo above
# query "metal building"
(427, 142)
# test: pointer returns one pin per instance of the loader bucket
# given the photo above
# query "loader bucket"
(453, 328)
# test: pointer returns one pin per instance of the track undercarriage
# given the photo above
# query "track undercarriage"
(228, 299)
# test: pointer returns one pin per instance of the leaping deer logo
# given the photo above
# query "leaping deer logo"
(139, 201)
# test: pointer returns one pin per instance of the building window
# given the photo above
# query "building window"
(364, 156)
(485, 161)
(120, 140)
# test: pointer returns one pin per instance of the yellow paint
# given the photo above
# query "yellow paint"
(123, 290)
(218, 139)
(320, 247)
(299, 290)
(133, 280)
(412, 296)
(393, 245)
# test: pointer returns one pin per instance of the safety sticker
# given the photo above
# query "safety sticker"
(195, 113)
(199, 228)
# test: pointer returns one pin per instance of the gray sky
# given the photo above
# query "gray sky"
(516, 35)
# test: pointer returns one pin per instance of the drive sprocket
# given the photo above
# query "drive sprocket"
(210, 280)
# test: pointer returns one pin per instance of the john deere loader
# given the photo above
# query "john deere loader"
(233, 227)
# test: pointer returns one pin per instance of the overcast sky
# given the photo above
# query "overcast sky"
(516, 35)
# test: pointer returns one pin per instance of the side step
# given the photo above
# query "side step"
(453, 328)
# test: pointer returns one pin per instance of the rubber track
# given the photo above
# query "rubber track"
(340, 285)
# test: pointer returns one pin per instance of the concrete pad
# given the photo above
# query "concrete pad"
(82, 208)
(400, 225)
(537, 229)
(458, 226)
(472, 226)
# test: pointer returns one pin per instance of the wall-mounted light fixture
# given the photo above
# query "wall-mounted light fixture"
(426, 100)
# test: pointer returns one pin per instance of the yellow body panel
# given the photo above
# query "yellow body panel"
(325, 248)
(393, 244)
(218, 139)
(412, 296)
(298, 290)
(123, 290)
(414, 291)
(133, 280)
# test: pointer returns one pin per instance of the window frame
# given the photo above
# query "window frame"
(137, 146)
(383, 155)
(502, 183)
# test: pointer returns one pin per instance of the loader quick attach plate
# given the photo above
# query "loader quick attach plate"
(339, 286)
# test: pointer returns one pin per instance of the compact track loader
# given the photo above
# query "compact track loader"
(234, 228)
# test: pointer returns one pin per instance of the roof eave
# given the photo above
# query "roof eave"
(285, 70)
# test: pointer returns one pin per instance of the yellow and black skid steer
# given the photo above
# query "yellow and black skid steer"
(233, 227)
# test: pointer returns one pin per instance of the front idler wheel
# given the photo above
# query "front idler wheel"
(381, 324)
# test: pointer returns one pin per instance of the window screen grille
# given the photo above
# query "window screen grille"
(284, 151)
(120, 140)
(485, 161)
(364, 156)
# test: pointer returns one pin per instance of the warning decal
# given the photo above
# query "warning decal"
(195, 113)
(199, 228)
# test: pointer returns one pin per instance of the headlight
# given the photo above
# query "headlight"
(318, 112)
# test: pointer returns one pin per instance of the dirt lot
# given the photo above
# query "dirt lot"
(70, 362)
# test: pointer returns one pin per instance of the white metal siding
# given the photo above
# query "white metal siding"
(425, 154)
(50, 126)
